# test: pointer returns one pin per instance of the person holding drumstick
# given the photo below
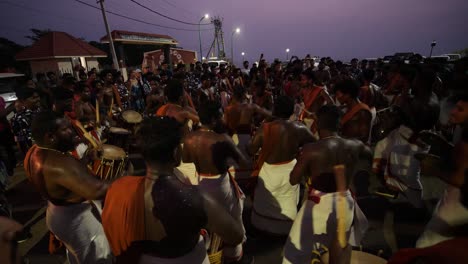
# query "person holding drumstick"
(317, 220)
(158, 218)
(69, 187)
(450, 212)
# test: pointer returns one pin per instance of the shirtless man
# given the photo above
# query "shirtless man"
(173, 108)
(239, 118)
(69, 188)
(147, 227)
(451, 212)
(316, 221)
(356, 122)
(313, 97)
(276, 200)
(210, 152)
(155, 98)
(84, 110)
(184, 115)
(109, 93)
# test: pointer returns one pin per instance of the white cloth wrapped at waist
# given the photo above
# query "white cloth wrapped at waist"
(221, 189)
(276, 200)
(316, 224)
(79, 228)
(448, 214)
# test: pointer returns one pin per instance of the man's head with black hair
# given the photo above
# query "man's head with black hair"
(41, 77)
(210, 113)
(51, 76)
(63, 100)
(107, 76)
(346, 91)
(83, 76)
(175, 91)
(328, 118)
(307, 77)
(68, 83)
(239, 93)
(83, 91)
(52, 130)
(159, 138)
(459, 114)
(284, 107)
(368, 75)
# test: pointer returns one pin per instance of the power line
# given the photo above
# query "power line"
(181, 8)
(168, 17)
(137, 20)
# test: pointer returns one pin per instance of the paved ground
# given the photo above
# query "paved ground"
(391, 226)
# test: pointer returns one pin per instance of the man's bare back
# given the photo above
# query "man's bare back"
(285, 138)
(239, 116)
(318, 159)
(210, 151)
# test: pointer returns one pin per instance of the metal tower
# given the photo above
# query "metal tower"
(218, 40)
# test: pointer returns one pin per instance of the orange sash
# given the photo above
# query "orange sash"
(309, 101)
(123, 215)
(162, 110)
(352, 112)
(265, 151)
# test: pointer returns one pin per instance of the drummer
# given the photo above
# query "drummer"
(174, 108)
(62, 107)
(450, 213)
(316, 222)
(70, 188)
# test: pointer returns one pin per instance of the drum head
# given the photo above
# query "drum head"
(112, 152)
(358, 257)
(132, 117)
(118, 130)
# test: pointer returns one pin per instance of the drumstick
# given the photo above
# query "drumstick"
(98, 121)
(86, 134)
(111, 106)
(340, 179)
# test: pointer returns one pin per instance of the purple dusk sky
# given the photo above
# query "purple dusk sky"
(341, 29)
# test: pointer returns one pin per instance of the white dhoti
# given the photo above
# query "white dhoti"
(242, 141)
(276, 200)
(196, 256)
(448, 214)
(316, 225)
(223, 190)
(79, 228)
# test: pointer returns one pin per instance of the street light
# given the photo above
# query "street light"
(433, 44)
(243, 58)
(287, 54)
(232, 44)
(206, 16)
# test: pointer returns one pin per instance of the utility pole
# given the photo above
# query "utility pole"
(109, 36)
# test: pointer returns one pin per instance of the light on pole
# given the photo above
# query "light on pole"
(243, 57)
(287, 54)
(433, 44)
(206, 16)
(232, 44)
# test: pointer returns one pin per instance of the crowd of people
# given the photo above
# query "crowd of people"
(300, 139)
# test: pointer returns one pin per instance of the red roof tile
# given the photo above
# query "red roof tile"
(59, 44)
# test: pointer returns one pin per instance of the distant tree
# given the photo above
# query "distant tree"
(8, 50)
(37, 34)
(463, 52)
